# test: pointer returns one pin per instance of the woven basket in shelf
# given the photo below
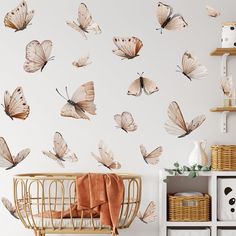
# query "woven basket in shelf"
(223, 157)
(189, 208)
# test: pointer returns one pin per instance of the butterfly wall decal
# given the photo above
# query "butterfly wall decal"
(9, 206)
(176, 124)
(6, 159)
(37, 55)
(86, 23)
(191, 67)
(167, 20)
(106, 157)
(82, 62)
(125, 121)
(128, 47)
(82, 101)
(19, 18)
(61, 151)
(149, 215)
(15, 105)
(212, 12)
(142, 84)
(227, 86)
(153, 157)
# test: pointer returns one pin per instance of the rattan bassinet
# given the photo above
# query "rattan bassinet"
(39, 192)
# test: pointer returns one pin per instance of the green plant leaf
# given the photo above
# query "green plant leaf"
(192, 174)
(176, 164)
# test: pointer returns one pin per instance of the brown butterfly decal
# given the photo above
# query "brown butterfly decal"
(82, 62)
(6, 159)
(191, 67)
(9, 206)
(86, 23)
(167, 20)
(149, 215)
(227, 86)
(127, 48)
(106, 157)
(19, 18)
(176, 124)
(15, 105)
(82, 101)
(125, 121)
(212, 12)
(148, 86)
(37, 55)
(152, 157)
(62, 152)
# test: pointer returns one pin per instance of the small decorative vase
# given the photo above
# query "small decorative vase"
(198, 155)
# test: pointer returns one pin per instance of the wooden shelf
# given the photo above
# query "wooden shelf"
(222, 51)
(222, 109)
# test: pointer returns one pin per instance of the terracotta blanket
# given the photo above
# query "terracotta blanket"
(99, 195)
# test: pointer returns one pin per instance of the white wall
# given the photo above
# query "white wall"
(158, 59)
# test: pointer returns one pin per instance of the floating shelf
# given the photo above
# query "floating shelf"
(222, 51)
(222, 109)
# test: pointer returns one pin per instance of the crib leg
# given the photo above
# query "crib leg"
(38, 233)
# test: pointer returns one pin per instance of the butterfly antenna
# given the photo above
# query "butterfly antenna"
(67, 93)
(51, 58)
(61, 94)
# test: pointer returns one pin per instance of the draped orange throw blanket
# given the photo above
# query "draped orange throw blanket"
(98, 194)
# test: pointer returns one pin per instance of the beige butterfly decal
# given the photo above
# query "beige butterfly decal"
(19, 18)
(37, 55)
(127, 48)
(191, 67)
(152, 157)
(15, 105)
(212, 12)
(148, 86)
(82, 62)
(125, 121)
(106, 157)
(176, 124)
(6, 159)
(86, 23)
(149, 215)
(167, 20)
(62, 152)
(9, 206)
(82, 101)
(227, 86)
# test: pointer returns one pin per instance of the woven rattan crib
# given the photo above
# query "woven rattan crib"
(38, 192)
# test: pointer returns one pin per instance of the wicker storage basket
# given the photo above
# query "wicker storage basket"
(189, 208)
(223, 157)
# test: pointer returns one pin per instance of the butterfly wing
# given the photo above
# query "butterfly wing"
(176, 124)
(76, 27)
(127, 47)
(21, 156)
(212, 12)
(127, 122)
(135, 88)
(82, 62)
(163, 13)
(84, 98)
(177, 22)
(149, 86)
(153, 157)
(69, 110)
(15, 105)
(150, 213)
(143, 150)
(6, 159)
(37, 55)
(60, 146)
(54, 157)
(19, 17)
(196, 122)
(9, 206)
